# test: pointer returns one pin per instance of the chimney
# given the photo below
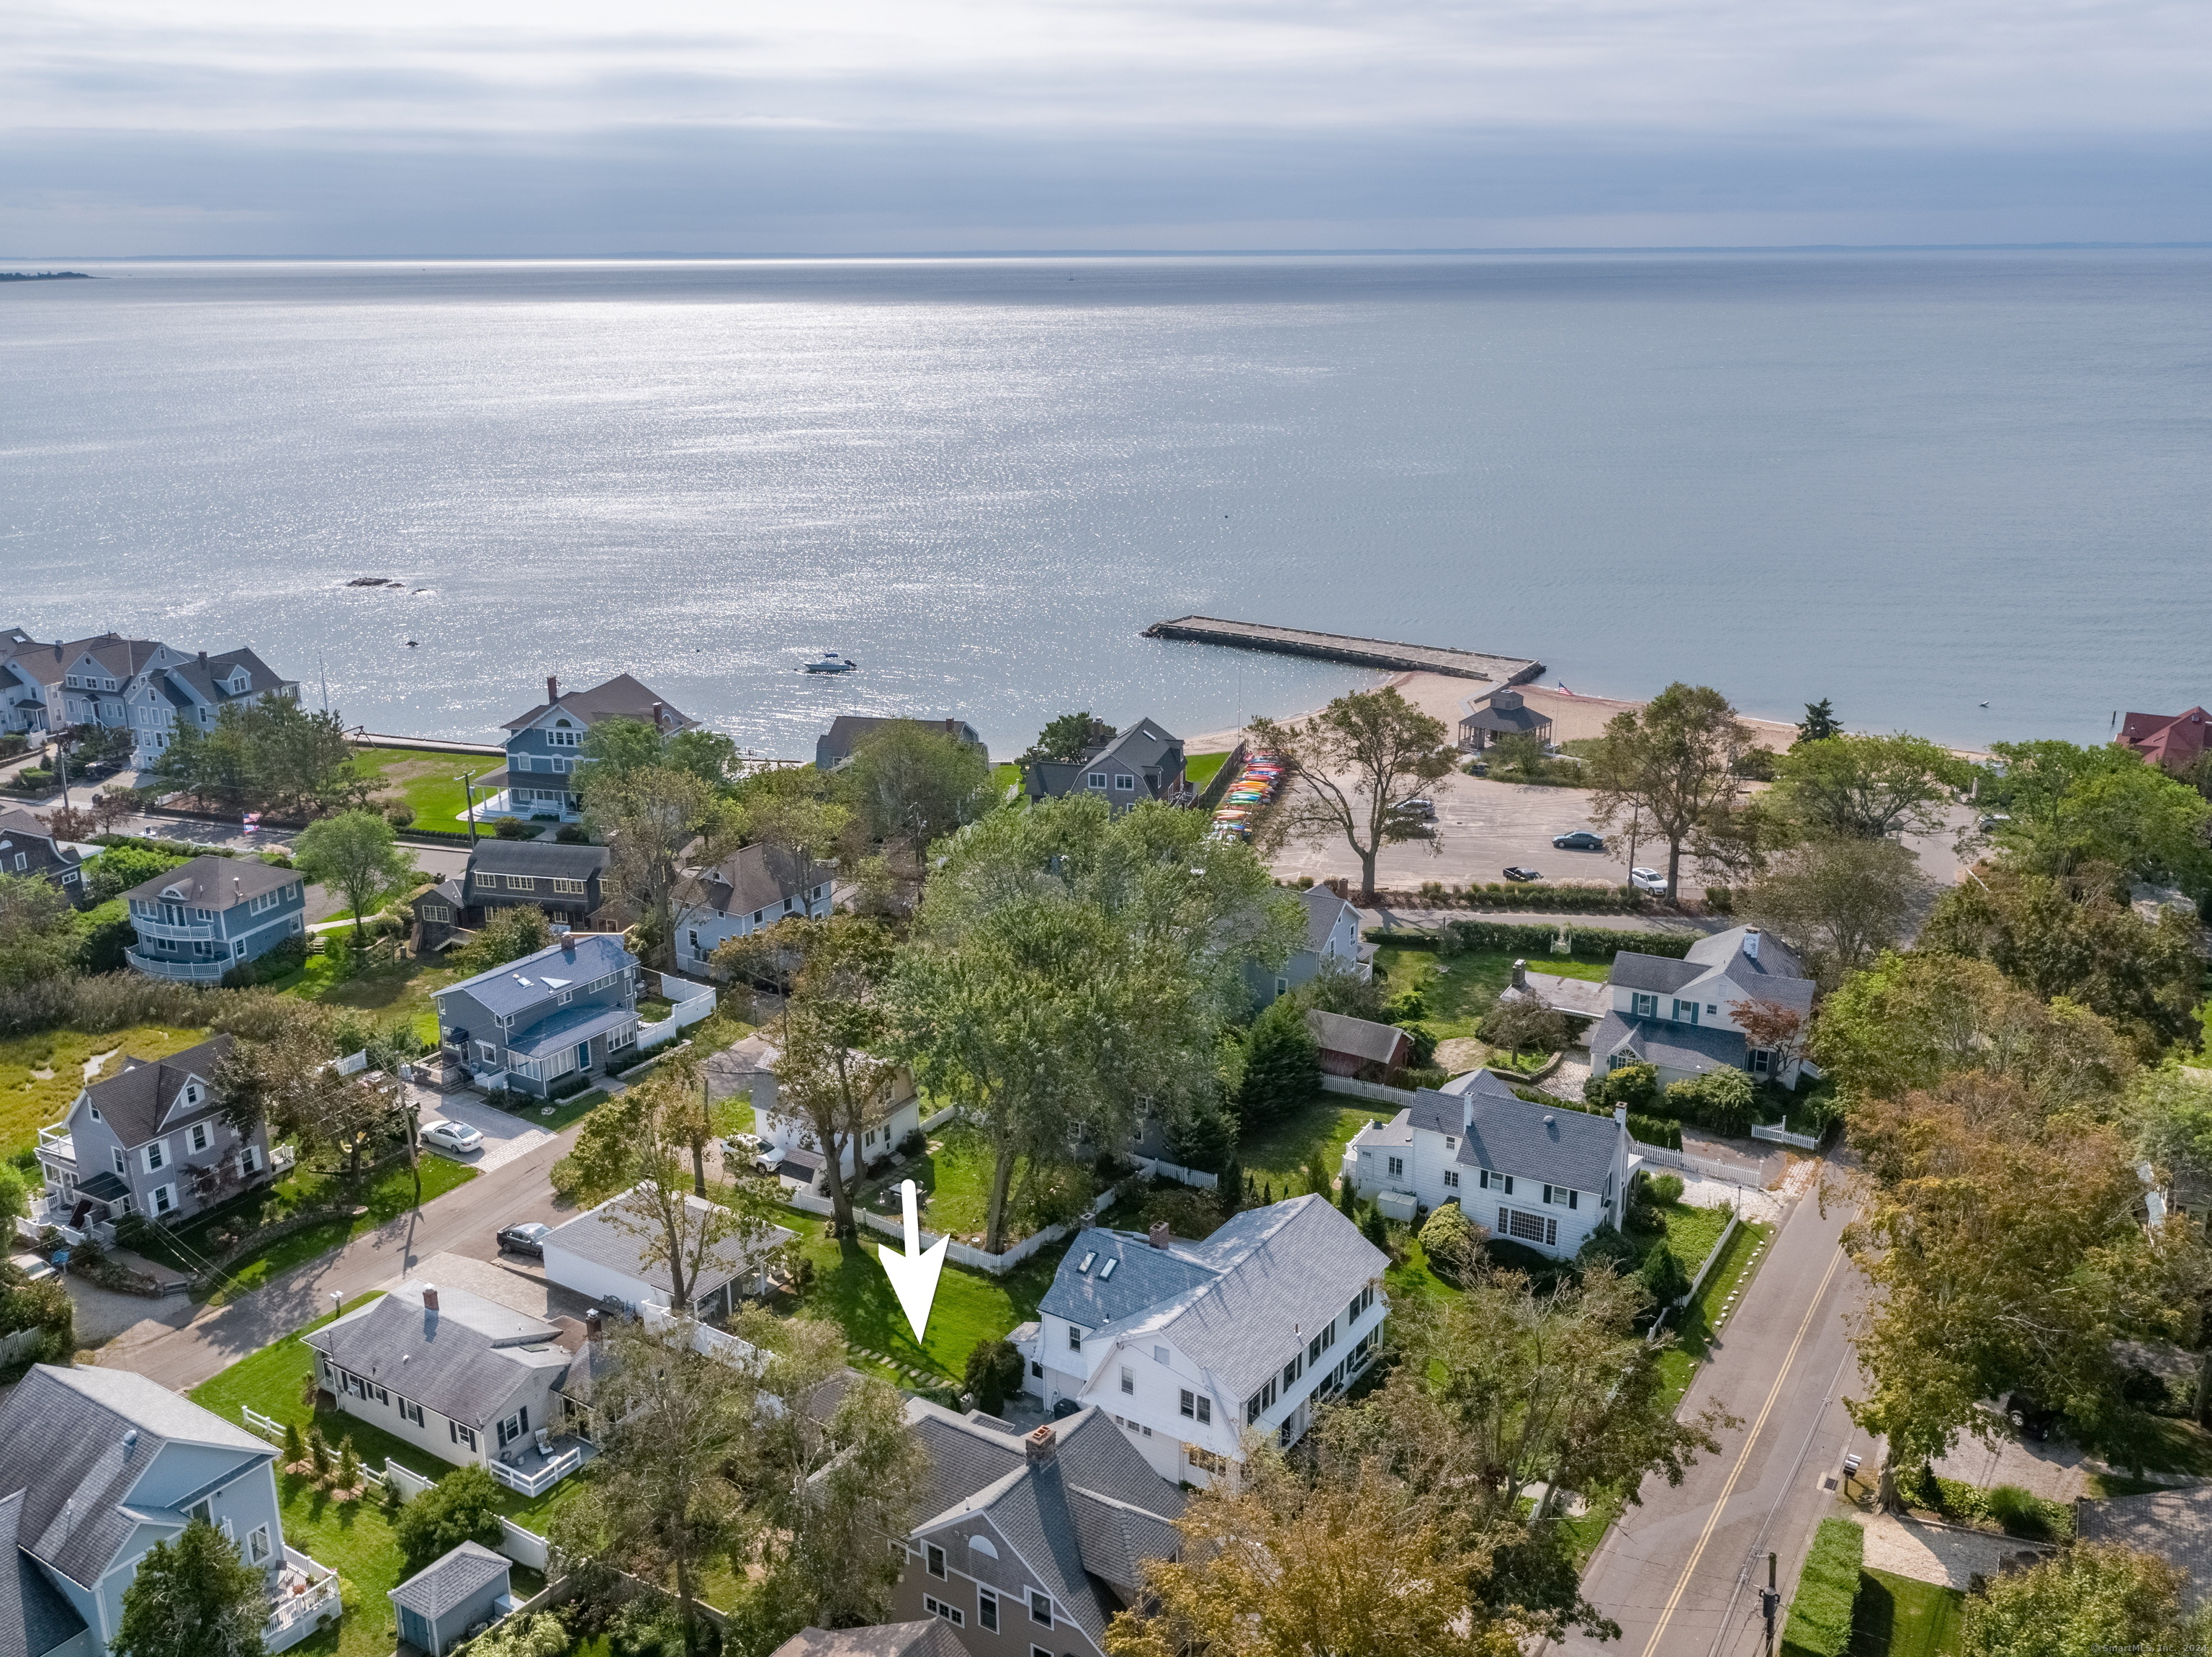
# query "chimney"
(202, 658)
(656, 715)
(1160, 1233)
(952, 728)
(1039, 1447)
(1520, 975)
(1620, 1114)
(552, 690)
(595, 1322)
(567, 945)
(429, 1297)
(1751, 941)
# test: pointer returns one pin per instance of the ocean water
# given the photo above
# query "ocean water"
(1912, 483)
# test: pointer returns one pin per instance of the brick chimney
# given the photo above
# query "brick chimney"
(429, 1297)
(1160, 1233)
(952, 728)
(595, 1324)
(1751, 941)
(202, 658)
(552, 690)
(1040, 1447)
(656, 715)
(1520, 975)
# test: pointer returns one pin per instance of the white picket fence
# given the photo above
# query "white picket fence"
(1782, 1136)
(14, 1346)
(1176, 1172)
(1374, 1090)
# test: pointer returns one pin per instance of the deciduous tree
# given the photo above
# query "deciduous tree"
(284, 1077)
(1671, 766)
(193, 1598)
(909, 784)
(1869, 787)
(832, 1018)
(1348, 772)
(657, 821)
(355, 856)
(1069, 737)
(37, 929)
(463, 1506)
(2093, 1598)
(2072, 808)
(1782, 1031)
(1837, 902)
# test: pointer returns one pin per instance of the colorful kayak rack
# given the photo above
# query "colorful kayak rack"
(1247, 797)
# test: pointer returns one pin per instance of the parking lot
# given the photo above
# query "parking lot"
(1482, 826)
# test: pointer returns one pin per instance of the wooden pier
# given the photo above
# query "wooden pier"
(1337, 647)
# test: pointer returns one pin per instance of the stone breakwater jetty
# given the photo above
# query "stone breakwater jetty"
(1359, 652)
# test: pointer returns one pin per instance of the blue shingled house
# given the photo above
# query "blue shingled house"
(569, 1010)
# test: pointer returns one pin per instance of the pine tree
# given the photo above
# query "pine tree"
(1266, 1192)
(349, 1475)
(295, 1447)
(319, 1453)
(1232, 1186)
(1377, 1229)
(1348, 1200)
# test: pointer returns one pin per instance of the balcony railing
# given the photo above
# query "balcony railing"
(56, 1148)
(306, 1594)
(191, 932)
(195, 972)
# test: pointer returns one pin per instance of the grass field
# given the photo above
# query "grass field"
(1199, 769)
(385, 1194)
(352, 1538)
(1461, 990)
(1694, 1325)
(1897, 1616)
(388, 992)
(851, 1289)
(1277, 1152)
(41, 1074)
(428, 781)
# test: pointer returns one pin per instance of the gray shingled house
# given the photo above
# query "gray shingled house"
(1678, 1015)
(205, 916)
(1142, 763)
(847, 731)
(562, 881)
(461, 1591)
(1032, 1542)
(99, 1465)
(1186, 1345)
(28, 848)
(544, 745)
(753, 887)
(150, 1140)
(931, 1637)
(567, 1011)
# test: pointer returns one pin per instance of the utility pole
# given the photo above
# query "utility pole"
(1770, 1602)
(469, 794)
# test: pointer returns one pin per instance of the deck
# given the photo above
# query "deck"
(1338, 647)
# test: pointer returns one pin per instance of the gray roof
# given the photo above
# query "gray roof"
(597, 1235)
(1094, 1508)
(1323, 910)
(1776, 959)
(931, 1637)
(547, 858)
(1378, 1044)
(61, 1445)
(731, 1071)
(451, 1580)
(1141, 748)
(213, 882)
(1580, 998)
(1507, 713)
(34, 1618)
(260, 677)
(1693, 1047)
(133, 1101)
(1654, 974)
(847, 731)
(575, 961)
(757, 877)
(15, 823)
(2174, 1524)
(567, 1027)
(1499, 1129)
(619, 698)
(1228, 1302)
(465, 1361)
(1721, 973)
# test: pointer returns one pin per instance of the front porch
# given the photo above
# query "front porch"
(536, 1466)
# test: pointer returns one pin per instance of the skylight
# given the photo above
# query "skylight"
(1106, 1270)
(1088, 1258)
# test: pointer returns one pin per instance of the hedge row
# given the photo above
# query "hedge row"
(1605, 900)
(1506, 937)
(1827, 1593)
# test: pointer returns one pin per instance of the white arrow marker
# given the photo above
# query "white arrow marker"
(913, 1274)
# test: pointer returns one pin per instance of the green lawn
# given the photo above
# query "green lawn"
(953, 1181)
(1897, 1616)
(386, 1193)
(1276, 1151)
(1693, 1327)
(1199, 769)
(388, 990)
(1690, 1232)
(428, 781)
(851, 1289)
(41, 1074)
(1460, 989)
(352, 1538)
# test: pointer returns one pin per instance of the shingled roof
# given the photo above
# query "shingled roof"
(213, 882)
(134, 1101)
(466, 1359)
(450, 1579)
(931, 1637)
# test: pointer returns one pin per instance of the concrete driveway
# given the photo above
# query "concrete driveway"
(505, 1135)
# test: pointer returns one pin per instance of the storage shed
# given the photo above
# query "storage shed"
(441, 1603)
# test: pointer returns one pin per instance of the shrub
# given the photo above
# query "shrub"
(2021, 1512)
(1654, 1130)
(993, 1374)
(507, 934)
(1720, 900)
(1452, 1242)
(534, 1634)
(572, 834)
(1423, 1053)
(1828, 1592)
(295, 1445)
(1636, 1086)
(462, 1507)
(1185, 1210)
(1720, 1101)
(914, 1144)
(1664, 1277)
(121, 866)
(398, 813)
(514, 828)
(1665, 1188)
(1607, 1247)
(1375, 1229)
(1282, 1064)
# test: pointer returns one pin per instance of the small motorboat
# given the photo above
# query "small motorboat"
(831, 662)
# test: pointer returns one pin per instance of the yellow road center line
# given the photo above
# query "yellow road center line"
(1743, 1457)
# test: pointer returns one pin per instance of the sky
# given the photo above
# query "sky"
(853, 126)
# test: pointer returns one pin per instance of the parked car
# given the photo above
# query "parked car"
(1579, 840)
(1516, 872)
(1995, 820)
(741, 1146)
(1423, 810)
(1647, 879)
(455, 1137)
(527, 1238)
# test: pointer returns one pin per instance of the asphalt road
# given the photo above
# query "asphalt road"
(462, 1221)
(1680, 1574)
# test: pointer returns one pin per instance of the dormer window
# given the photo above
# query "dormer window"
(191, 1093)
